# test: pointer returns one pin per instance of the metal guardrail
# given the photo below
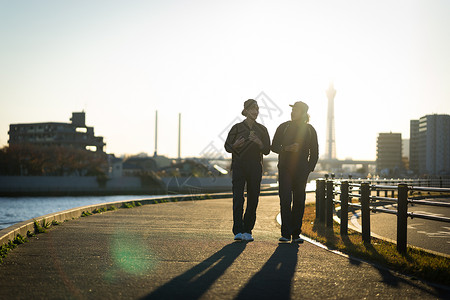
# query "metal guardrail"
(429, 182)
(325, 201)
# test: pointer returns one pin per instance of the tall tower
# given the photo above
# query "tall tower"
(330, 150)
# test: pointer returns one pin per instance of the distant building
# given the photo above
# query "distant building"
(137, 165)
(405, 154)
(192, 168)
(75, 134)
(414, 146)
(389, 153)
(430, 147)
(405, 148)
(140, 164)
(115, 166)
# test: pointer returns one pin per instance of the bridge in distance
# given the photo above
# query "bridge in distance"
(325, 163)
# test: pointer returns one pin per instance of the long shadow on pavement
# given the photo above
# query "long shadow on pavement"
(193, 283)
(274, 280)
(389, 277)
(392, 279)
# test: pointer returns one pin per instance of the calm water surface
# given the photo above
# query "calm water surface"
(17, 209)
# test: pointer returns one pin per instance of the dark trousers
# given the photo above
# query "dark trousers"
(292, 194)
(242, 174)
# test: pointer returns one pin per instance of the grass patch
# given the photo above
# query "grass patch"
(99, 210)
(38, 228)
(128, 204)
(85, 214)
(131, 204)
(46, 224)
(4, 249)
(414, 262)
(20, 240)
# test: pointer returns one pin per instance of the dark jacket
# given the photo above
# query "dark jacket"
(291, 132)
(250, 151)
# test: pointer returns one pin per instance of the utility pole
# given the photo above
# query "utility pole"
(179, 136)
(156, 134)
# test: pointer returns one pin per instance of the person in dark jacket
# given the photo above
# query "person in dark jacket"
(247, 141)
(295, 142)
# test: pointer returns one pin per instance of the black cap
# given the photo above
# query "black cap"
(300, 104)
(248, 103)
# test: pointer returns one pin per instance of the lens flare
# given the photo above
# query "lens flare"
(130, 254)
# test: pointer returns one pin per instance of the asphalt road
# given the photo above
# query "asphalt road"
(185, 250)
(427, 234)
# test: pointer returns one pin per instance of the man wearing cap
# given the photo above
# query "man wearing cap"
(295, 142)
(247, 141)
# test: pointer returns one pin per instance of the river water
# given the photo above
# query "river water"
(17, 209)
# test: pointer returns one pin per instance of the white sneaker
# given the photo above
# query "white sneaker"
(238, 237)
(247, 237)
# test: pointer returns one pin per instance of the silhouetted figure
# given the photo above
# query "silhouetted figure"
(296, 143)
(247, 141)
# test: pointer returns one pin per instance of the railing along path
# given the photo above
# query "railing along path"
(349, 189)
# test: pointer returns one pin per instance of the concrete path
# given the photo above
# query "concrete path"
(185, 250)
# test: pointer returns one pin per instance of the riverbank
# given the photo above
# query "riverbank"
(14, 210)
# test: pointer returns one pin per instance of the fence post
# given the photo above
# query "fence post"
(329, 204)
(365, 211)
(320, 199)
(386, 191)
(323, 203)
(393, 191)
(402, 217)
(344, 208)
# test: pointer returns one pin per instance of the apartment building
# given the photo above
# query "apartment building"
(430, 145)
(74, 134)
(389, 153)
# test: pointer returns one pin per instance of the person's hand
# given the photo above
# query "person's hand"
(239, 143)
(255, 139)
(292, 148)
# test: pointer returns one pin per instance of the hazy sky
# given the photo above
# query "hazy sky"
(120, 61)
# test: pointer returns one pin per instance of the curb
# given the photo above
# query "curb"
(10, 233)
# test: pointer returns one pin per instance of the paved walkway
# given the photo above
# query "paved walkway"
(185, 250)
